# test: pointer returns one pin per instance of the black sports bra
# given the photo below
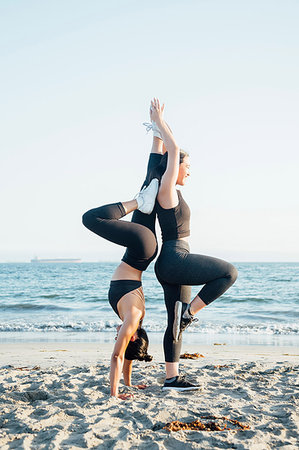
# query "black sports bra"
(174, 222)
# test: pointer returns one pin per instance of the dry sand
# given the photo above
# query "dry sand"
(56, 395)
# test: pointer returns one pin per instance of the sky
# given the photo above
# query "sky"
(76, 81)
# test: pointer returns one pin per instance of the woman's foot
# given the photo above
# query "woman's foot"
(147, 197)
(153, 126)
(179, 383)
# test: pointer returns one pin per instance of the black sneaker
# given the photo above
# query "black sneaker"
(180, 323)
(180, 384)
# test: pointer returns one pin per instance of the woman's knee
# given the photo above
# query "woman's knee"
(88, 219)
(232, 273)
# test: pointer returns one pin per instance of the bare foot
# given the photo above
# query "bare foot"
(140, 386)
(125, 396)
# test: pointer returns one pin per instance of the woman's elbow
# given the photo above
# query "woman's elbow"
(88, 219)
(117, 357)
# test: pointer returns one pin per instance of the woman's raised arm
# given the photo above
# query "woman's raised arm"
(167, 195)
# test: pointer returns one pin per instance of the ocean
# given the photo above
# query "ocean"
(68, 302)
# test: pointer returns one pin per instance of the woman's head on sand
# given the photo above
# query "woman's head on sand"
(137, 347)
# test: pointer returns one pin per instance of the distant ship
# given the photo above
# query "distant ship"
(56, 260)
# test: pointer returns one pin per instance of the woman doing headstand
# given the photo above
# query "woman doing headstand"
(125, 294)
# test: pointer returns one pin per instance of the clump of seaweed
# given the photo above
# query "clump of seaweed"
(207, 423)
(187, 355)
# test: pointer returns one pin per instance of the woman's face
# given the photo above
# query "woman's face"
(184, 171)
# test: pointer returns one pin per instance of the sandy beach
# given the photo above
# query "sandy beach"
(56, 395)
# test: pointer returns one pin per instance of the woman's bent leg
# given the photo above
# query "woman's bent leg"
(140, 241)
(191, 269)
(216, 275)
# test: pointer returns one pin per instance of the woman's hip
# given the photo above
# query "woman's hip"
(170, 260)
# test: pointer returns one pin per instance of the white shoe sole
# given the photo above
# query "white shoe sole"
(180, 389)
(151, 192)
(177, 320)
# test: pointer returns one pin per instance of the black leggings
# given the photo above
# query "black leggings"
(139, 240)
(177, 270)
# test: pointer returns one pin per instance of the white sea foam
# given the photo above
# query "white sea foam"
(208, 328)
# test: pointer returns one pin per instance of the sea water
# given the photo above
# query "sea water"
(57, 301)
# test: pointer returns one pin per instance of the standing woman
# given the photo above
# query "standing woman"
(176, 268)
(125, 294)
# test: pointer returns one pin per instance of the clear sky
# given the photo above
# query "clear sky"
(76, 80)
